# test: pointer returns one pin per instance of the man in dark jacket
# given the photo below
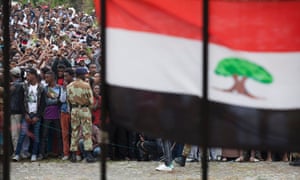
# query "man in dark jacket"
(34, 103)
(16, 96)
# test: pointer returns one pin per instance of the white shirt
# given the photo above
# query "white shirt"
(32, 98)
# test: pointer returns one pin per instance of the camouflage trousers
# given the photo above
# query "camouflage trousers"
(81, 118)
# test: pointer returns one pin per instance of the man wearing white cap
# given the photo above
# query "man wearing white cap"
(16, 96)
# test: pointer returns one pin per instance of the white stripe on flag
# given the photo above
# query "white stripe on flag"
(148, 61)
(282, 93)
(154, 62)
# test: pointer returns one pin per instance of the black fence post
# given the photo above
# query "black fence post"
(103, 86)
(6, 85)
(205, 118)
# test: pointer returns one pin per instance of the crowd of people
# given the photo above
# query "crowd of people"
(55, 52)
(52, 48)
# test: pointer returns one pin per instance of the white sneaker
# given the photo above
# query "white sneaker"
(16, 158)
(78, 158)
(163, 167)
(65, 158)
(192, 160)
(33, 158)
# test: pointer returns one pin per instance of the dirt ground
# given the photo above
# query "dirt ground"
(133, 170)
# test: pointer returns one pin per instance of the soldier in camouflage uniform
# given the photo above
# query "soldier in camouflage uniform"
(80, 97)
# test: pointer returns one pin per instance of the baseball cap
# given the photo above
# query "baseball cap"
(16, 71)
(32, 71)
(81, 70)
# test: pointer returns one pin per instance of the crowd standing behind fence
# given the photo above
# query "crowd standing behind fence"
(49, 44)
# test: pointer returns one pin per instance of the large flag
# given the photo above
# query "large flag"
(155, 68)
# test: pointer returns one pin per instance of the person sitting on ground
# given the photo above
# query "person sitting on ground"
(148, 148)
(295, 159)
(96, 138)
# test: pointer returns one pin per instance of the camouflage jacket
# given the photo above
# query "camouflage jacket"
(79, 93)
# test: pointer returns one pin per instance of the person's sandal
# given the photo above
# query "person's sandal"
(224, 159)
(239, 159)
(253, 159)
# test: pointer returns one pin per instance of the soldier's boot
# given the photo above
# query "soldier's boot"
(73, 157)
(89, 157)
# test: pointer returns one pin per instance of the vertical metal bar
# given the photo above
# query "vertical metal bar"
(104, 108)
(6, 97)
(205, 118)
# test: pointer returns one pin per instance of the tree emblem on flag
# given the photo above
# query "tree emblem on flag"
(241, 70)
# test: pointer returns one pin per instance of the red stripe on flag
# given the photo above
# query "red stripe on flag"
(256, 26)
(170, 17)
(242, 25)
(97, 9)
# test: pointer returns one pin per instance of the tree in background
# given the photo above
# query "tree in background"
(79, 5)
(241, 70)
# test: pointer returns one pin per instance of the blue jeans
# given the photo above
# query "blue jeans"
(167, 152)
(31, 130)
(96, 151)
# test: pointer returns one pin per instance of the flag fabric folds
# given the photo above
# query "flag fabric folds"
(155, 67)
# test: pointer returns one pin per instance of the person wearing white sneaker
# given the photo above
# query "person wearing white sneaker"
(167, 156)
(16, 158)
(65, 116)
(33, 158)
(64, 158)
(78, 158)
(33, 106)
(164, 167)
(16, 96)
